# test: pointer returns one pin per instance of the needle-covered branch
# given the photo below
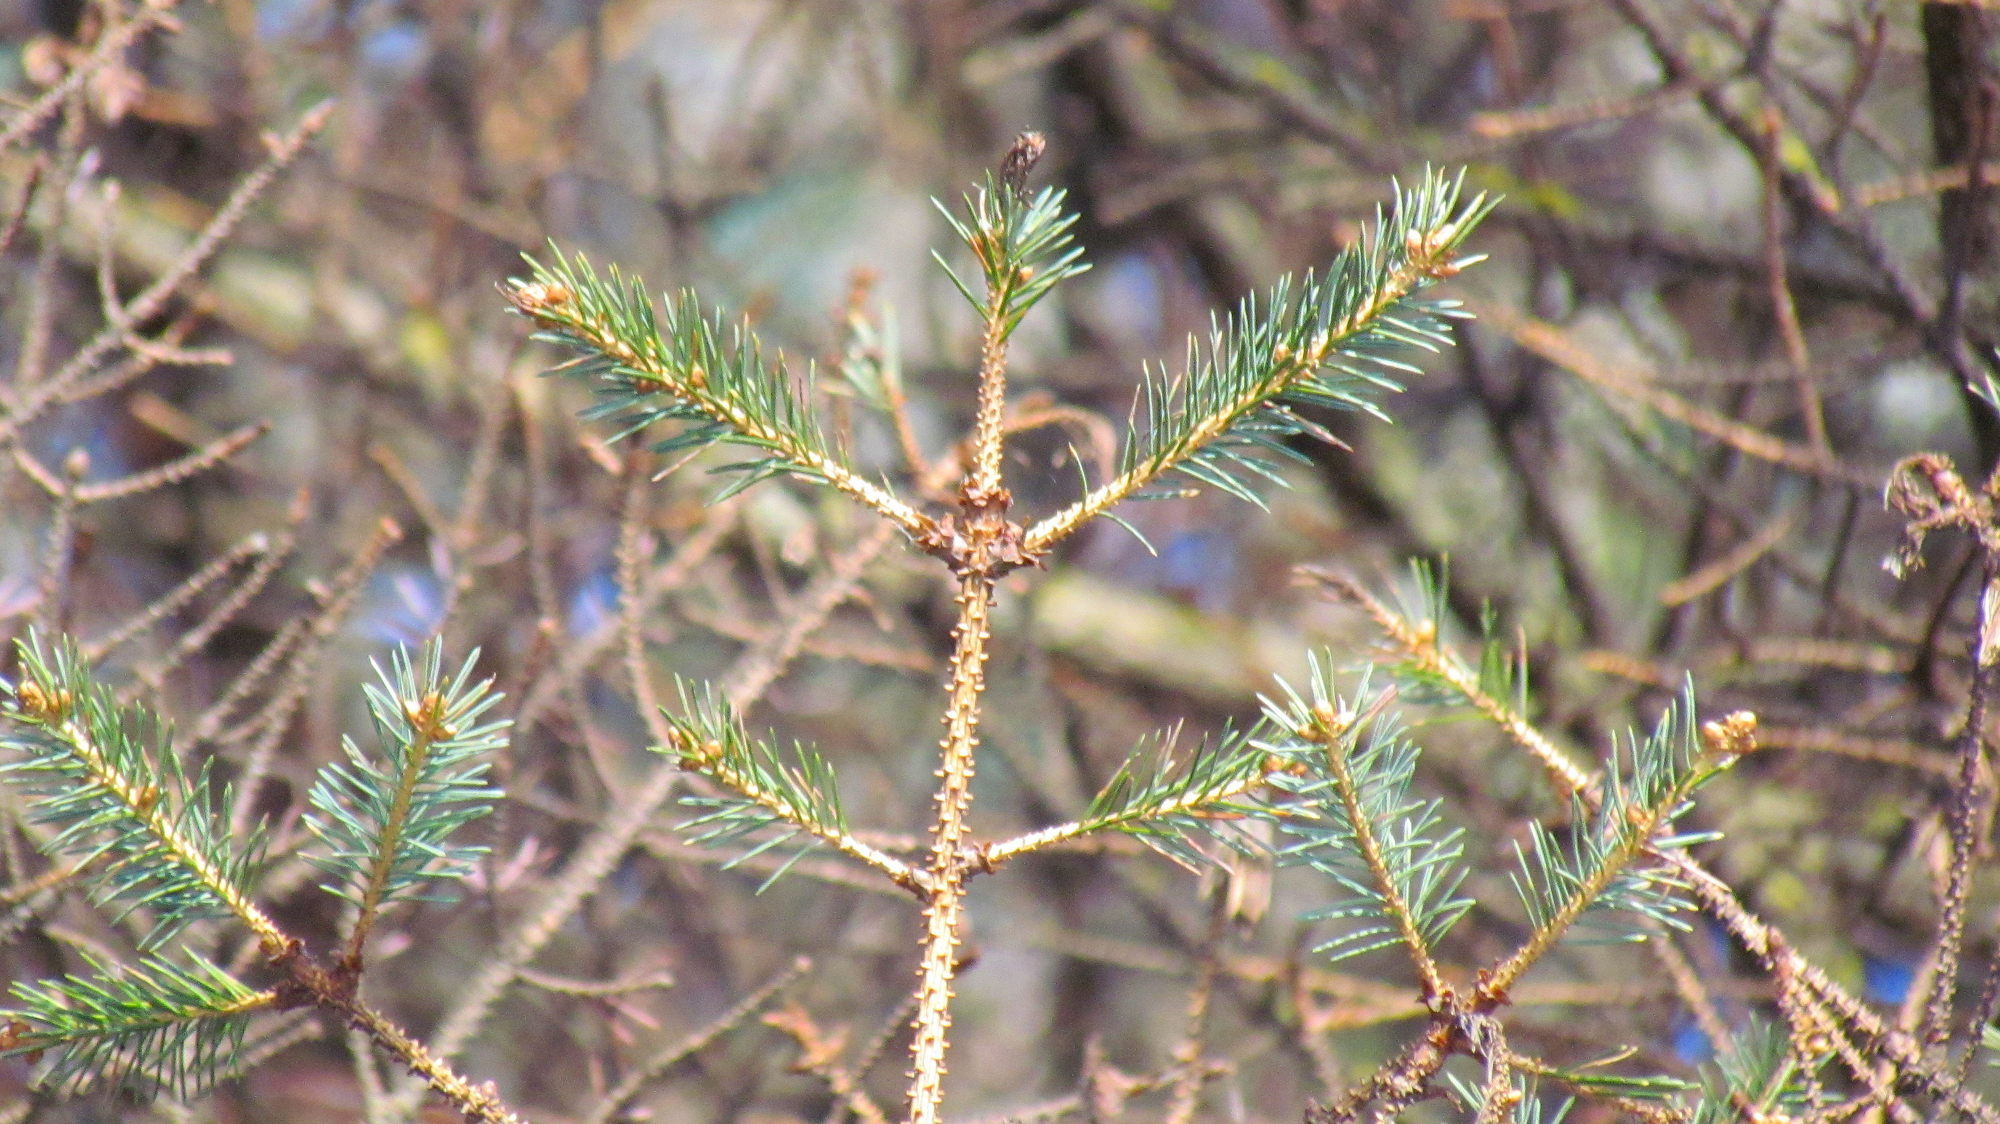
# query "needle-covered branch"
(692, 367)
(1023, 248)
(1497, 688)
(1355, 821)
(153, 837)
(1323, 342)
(157, 1026)
(385, 822)
(1165, 803)
(793, 794)
(1757, 1078)
(1597, 874)
(109, 779)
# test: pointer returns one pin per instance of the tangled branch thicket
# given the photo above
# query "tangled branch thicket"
(1392, 879)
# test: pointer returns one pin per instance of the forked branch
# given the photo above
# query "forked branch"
(114, 787)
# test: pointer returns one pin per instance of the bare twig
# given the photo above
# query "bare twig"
(1784, 308)
(257, 544)
(819, 1054)
(153, 299)
(614, 1101)
(108, 50)
(1555, 346)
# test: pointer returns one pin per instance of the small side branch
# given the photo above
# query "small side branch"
(108, 794)
(634, 1082)
(724, 392)
(1152, 807)
(1329, 732)
(1419, 643)
(1232, 403)
(797, 795)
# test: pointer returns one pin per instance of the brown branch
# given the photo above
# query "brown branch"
(614, 1101)
(1718, 573)
(819, 1054)
(151, 300)
(1784, 308)
(1556, 346)
(108, 50)
(254, 545)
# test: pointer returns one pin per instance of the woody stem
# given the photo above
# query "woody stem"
(947, 873)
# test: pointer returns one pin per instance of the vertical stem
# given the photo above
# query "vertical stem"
(423, 734)
(1963, 814)
(983, 503)
(987, 437)
(954, 798)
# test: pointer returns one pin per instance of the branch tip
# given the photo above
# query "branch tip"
(1021, 160)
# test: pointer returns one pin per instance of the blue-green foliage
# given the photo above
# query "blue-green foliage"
(1233, 405)
(108, 779)
(722, 388)
(384, 820)
(1023, 247)
(1758, 1072)
(1360, 783)
(796, 793)
(1168, 803)
(1649, 784)
(1502, 673)
(1530, 1108)
(153, 1026)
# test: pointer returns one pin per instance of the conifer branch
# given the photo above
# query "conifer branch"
(1023, 248)
(162, 1027)
(1729, 737)
(1642, 793)
(1428, 660)
(109, 779)
(384, 825)
(691, 367)
(1356, 822)
(115, 789)
(800, 795)
(1323, 344)
(1162, 801)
